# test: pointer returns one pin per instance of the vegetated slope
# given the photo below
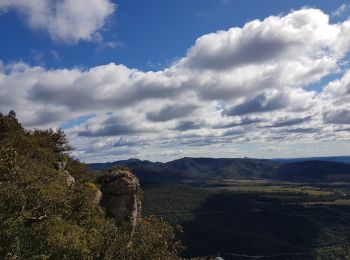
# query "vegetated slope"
(225, 168)
(45, 214)
(208, 168)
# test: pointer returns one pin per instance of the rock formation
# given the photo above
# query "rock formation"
(120, 189)
(98, 196)
(61, 166)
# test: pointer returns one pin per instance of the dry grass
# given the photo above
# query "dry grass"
(258, 186)
(340, 202)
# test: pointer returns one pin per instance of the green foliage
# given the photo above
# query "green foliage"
(42, 217)
(332, 252)
(80, 171)
(56, 141)
(153, 239)
(157, 240)
(8, 124)
(346, 249)
(8, 162)
(118, 168)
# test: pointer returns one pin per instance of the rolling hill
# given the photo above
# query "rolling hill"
(236, 168)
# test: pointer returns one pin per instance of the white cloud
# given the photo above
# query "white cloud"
(340, 11)
(338, 116)
(339, 89)
(231, 88)
(66, 20)
(301, 35)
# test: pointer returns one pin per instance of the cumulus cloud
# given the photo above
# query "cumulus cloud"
(66, 20)
(110, 130)
(242, 85)
(111, 126)
(187, 125)
(339, 89)
(302, 34)
(302, 130)
(261, 103)
(335, 100)
(171, 112)
(341, 116)
(240, 122)
(290, 121)
(103, 86)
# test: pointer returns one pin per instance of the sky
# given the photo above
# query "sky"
(165, 79)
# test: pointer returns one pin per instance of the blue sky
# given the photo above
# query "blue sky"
(163, 79)
(147, 34)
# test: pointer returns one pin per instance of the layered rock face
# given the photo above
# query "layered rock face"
(120, 189)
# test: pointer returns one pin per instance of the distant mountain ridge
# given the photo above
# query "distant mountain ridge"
(341, 159)
(188, 168)
(313, 171)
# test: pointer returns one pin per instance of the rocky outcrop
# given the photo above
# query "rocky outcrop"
(61, 166)
(98, 196)
(120, 196)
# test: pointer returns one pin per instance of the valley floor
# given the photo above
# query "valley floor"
(255, 219)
